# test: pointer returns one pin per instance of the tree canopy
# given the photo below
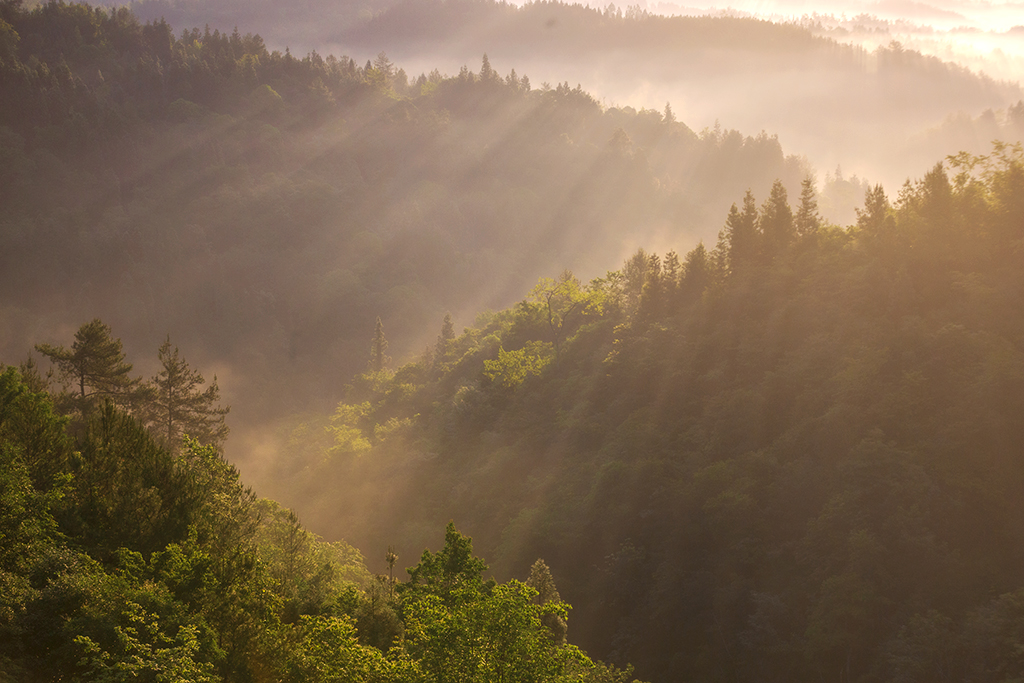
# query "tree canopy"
(795, 463)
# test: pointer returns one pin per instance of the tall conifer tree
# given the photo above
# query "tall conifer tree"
(181, 406)
(378, 349)
(95, 368)
(807, 221)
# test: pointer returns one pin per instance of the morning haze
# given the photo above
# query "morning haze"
(645, 295)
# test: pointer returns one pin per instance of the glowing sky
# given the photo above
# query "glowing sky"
(983, 36)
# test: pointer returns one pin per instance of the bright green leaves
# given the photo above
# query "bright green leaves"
(145, 652)
(460, 628)
(450, 570)
(345, 429)
(565, 301)
(511, 368)
(329, 652)
(492, 636)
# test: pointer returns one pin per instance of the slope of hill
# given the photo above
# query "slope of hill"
(793, 456)
(123, 561)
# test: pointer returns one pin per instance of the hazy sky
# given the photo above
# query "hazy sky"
(979, 35)
(942, 14)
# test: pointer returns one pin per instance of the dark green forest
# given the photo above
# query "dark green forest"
(788, 453)
(791, 456)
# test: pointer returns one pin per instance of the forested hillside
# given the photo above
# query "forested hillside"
(125, 559)
(792, 456)
(265, 209)
(790, 453)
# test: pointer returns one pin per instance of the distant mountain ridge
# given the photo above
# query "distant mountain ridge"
(838, 104)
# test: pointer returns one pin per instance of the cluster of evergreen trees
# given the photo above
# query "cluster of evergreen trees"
(94, 371)
(792, 456)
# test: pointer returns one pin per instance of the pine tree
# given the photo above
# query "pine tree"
(671, 275)
(875, 219)
(740, 235)
(807, 221)
(96, 370)
(776, 221)
(698, 273)
(487, 73)
(378, 349)
(445, 338)
(181, 406)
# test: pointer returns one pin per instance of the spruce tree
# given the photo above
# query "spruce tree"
(697, 275)
(741, 235)
(875, 219)
(807, 221)
(776, 221)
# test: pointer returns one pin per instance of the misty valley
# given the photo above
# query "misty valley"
(318, 368)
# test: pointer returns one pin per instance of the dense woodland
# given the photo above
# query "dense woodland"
(790, 453)
(265, 209)
(791, 456)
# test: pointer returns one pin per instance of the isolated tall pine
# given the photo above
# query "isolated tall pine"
(378, 349)
(445, 338)
(181, 406)
(95, 369)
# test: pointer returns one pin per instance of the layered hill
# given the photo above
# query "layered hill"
(839, 104)
(265, 209)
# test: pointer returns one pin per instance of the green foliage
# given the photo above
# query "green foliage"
(346, 432)
(564, 301)
(512, 367)
(193, 579)
(329, 652)
(451, 572)
(312, 576)
(144, 653)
